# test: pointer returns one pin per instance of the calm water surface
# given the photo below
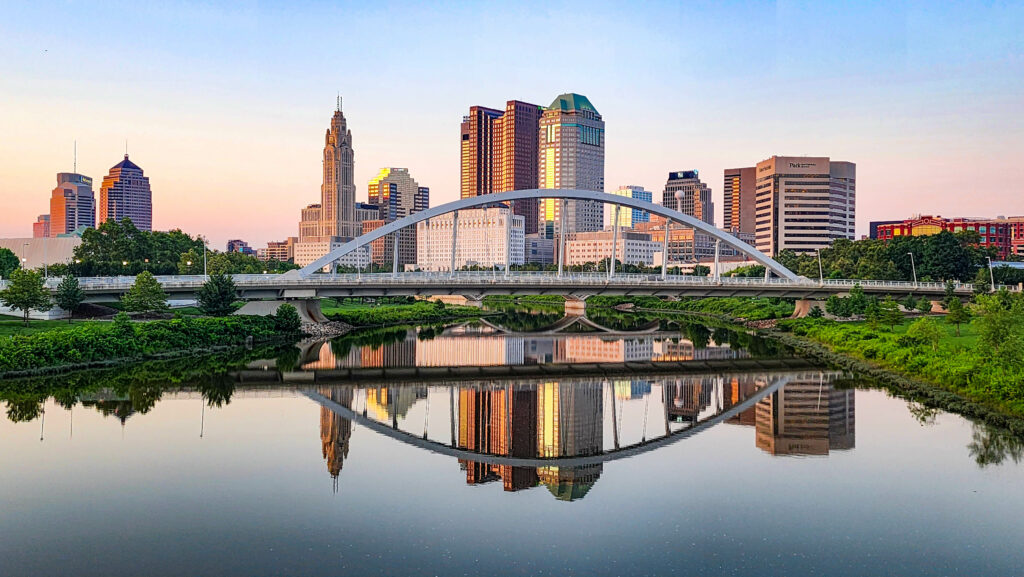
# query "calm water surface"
(278, 466)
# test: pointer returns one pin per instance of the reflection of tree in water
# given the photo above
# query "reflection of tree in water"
(21, 410)
(992, 446)
(525, 322)
(218, 391)
(922, 413)
(698, 334)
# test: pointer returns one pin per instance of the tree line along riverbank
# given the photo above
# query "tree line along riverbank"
(970, 360)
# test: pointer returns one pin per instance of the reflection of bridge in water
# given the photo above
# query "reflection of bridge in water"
(559, 433)
(493, 353)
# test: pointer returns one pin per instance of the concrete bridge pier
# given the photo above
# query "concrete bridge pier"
(803, 307)
(575, 305)
(308, 309)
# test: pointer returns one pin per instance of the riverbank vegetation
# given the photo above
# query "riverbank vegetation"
(750, 309)
(86, 344)
(392, 312)
(980, 358)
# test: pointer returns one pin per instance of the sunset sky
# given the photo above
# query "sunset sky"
(224, 105)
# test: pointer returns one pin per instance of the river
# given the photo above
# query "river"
(525, 446)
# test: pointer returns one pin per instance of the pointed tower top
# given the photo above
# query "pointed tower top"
(339, 102)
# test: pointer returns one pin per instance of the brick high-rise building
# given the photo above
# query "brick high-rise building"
(41, 227)
(125, 193)
(740, 197)
(499, 153)
(804, 203)
(571, 156)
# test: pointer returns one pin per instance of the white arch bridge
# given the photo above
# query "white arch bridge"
(562, 195)
(304, 285)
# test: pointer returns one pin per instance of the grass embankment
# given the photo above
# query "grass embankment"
(395, 313)
(959, 364)
(87, 344)
(15, 326)
(751, 309)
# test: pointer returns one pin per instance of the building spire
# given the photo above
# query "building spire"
(339, 102)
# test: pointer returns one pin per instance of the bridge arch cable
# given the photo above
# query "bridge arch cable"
(537, 194)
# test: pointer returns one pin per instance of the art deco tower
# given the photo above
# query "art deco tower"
(338, 192)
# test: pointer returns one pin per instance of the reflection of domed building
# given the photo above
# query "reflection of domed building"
(549, 420)
(335, 431)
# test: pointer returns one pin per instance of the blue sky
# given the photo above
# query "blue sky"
(225, 104)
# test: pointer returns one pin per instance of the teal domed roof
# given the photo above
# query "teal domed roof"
(573, 101)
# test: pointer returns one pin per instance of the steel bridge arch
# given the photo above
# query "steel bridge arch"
(542, 193)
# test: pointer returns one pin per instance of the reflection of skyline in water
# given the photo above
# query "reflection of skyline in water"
(456, 347)
(806, 416)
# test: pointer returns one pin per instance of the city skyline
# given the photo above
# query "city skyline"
(927, 121)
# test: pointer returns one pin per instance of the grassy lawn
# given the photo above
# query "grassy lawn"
(968, 338)
(15, 326)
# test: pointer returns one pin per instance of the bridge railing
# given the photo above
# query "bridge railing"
(485, 278)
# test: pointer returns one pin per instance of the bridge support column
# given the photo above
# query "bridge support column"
(575, 305)
(561, 236)
(394, 257)
(455, 239)
(615, 243)
(664, 251)
(308, 309)
(803, 307)
(718, 270)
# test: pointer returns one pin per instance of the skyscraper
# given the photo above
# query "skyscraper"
(72, 204)
(685, 192)
(125, 193)
(41, 227)
(803, 203)
(571, 155)
(629, 217)
(398, 195)
(499, 153)
(338, 191)
(740, 193)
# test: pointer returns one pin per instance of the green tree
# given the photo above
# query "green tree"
(889, 312)
(69, 295)
(837, 307)
(909, 302)
(873, 313)
(982, 282)
(26, 292)
(957, 314)
(123, 325)
(816, 313)
(949, 294)
(926, 330)
(924, 305)
(1001, 326)
(191, 261)
(701, 270)
(146, 295)
(287, 320)
(8, 262)
(217, 295)
(857, 302)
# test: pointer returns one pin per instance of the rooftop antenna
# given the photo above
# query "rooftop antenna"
(75, 169)
(339, 102)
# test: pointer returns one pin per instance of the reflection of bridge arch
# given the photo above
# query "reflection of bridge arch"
(421, 442)
(556, 193)
(569, 321)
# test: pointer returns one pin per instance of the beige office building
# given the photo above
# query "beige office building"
(803, 203)
(592, 247)
(571, 157)
(486, 237)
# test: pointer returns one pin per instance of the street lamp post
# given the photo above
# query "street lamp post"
(204, 259)
(913, 268)
(991, 276)
(821, 270)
